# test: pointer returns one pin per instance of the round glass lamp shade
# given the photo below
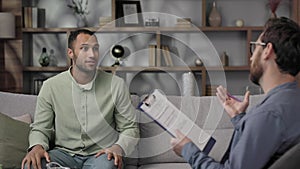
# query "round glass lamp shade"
(7, 26)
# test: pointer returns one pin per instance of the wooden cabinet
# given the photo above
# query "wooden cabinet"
(221, 36)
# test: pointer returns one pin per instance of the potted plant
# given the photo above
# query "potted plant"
(80, 9)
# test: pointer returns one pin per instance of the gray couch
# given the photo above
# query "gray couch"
(153, 150)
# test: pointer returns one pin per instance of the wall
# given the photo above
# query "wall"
(59, 15)
(137, 43)
(11, 51)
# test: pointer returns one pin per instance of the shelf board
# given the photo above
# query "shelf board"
(46, 30)
(112, 29)
(173, 69)
(232, 28)
(44, 69)
(107, 29)
(143, 69)
(152, 69)
(228, 68)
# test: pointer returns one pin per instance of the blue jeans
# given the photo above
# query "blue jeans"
(79, 162)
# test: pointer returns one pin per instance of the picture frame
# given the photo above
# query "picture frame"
(128, 13)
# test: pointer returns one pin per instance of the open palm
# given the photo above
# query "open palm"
(232, 106)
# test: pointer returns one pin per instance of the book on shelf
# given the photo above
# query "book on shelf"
(170, 118)
(158, 56)
(41, 18)
(26, 16)
(103, 20)
(184, 22)
(167, 56)
(34, 17)
(211, 90)
(37, 85)
(152, 55)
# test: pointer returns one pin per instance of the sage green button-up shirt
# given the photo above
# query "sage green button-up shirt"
(85, 120)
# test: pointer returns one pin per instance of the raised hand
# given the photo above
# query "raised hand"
(232, 105)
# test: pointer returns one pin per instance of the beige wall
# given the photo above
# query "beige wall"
(11, 51)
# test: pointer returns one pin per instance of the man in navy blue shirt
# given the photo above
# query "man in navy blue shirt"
(270, 128)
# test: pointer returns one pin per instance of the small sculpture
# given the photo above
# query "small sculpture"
(117, 52)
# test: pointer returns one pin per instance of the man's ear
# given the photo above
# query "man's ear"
(70, 53)
(268, 51)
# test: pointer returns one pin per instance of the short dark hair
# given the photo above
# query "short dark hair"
(284, 34)
(73, 35)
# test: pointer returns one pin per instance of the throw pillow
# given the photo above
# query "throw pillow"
(13, 141)
(26, 118)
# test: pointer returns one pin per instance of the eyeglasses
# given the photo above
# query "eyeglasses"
(253, 46)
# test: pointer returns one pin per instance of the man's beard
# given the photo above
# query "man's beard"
(256, 72)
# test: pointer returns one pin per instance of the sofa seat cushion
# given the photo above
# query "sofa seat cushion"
(166, 166)
(13, 141)
(130, 167)
(223, 137)
(154, 145)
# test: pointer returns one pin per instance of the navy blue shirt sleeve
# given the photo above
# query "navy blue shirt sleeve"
(197, 159)
(256, 140)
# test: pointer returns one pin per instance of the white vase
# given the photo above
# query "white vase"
(82, 21)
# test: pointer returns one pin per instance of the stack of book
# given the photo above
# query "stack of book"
(37, 85)
(211, 90)
(155, 60)
(184, 22)
(167, 55)
(34, 17)
(103, 20)
(152, 55)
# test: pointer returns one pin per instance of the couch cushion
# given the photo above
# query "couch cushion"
(132, 159)
(154, 145)
(131, 167)
(223, 137)
(13, 141)
(13, 104)
(166, 166)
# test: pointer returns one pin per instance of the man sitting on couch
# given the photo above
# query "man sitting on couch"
(87, 112)
(272, 127)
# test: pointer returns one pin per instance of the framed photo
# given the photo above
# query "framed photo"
(128, 13)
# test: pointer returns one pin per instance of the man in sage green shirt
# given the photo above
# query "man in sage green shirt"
(87, 112)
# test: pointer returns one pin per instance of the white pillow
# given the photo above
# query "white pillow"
(26, 118)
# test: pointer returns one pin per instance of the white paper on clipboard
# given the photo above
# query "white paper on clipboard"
(170, 118)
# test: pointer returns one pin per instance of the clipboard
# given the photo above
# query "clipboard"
(166, 115)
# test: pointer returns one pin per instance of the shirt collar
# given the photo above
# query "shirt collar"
(87, 86)
(288, 85)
